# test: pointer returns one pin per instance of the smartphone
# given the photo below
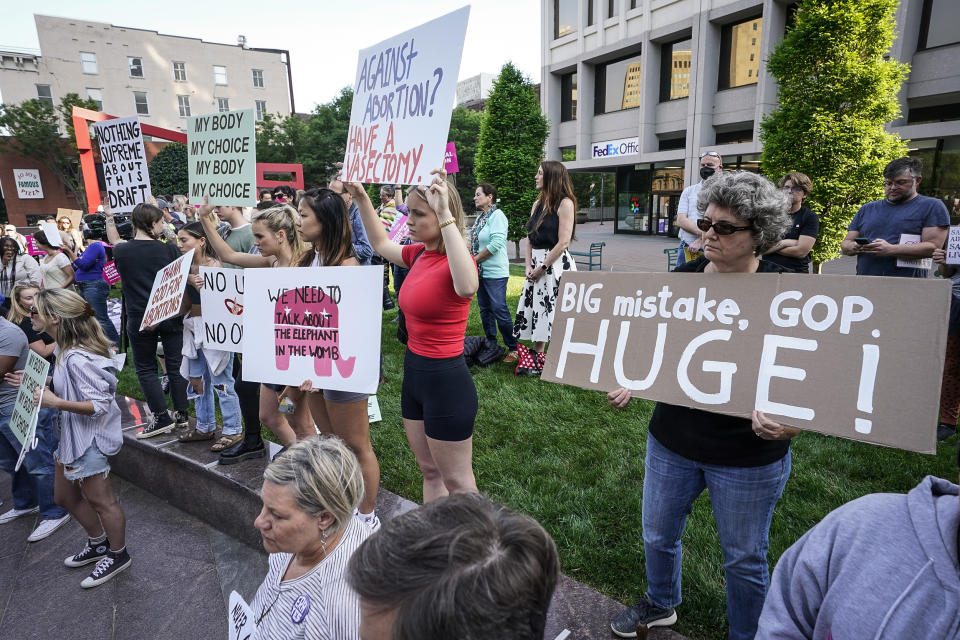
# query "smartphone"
(862, 240)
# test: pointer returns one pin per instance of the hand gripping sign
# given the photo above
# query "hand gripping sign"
(841, 355)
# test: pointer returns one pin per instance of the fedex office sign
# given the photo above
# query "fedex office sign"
(623, 147)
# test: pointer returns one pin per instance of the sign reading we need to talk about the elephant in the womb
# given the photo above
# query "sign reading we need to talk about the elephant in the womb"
(319, 323)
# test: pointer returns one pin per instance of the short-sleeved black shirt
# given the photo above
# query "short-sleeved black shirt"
(32, 336)
(805, 223)
(138, 262)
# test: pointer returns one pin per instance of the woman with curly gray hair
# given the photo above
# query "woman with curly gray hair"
(744, 464)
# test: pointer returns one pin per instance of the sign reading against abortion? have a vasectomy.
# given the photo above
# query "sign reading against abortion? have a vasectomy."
(842, 355)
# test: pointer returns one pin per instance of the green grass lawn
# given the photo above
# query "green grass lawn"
(575, 464)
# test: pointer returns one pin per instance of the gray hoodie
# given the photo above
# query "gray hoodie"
(882, 566)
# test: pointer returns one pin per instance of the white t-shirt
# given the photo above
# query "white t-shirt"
(52, 271)
(688, 207)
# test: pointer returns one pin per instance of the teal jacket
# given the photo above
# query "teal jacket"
(493, 238)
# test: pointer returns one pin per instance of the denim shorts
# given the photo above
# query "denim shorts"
(92, 462)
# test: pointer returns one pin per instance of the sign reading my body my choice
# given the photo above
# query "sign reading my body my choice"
(222, 158)
(124, 163)
(402, 101)
(836, 354)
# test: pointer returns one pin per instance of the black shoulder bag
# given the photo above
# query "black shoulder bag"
(401, 321)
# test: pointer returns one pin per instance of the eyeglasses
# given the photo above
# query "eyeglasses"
(709, 153)
(721, 227)
(787, 189)
(34, 312)
(898, 183)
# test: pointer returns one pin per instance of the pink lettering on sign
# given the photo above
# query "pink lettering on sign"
(307, 324)
(450, 164)
(110, 273)
(399, 229)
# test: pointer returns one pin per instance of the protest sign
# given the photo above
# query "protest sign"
(222, 158)
(913, 263)
(450, 164)
(52, 231)
(110, 273)
(241, 622)
(953, 246)
(221, 299)
(402, 100)
(23, 420)
(399, 229)
(28, 184)
(373, 409)
(325, 323)
(75, 215)
(32, 248)
(124, 163)
(166, 295)
(836, 354)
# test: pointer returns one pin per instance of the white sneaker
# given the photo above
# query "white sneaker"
(47, 527)
(13, 514)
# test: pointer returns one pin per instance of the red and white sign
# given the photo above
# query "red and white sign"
(167, 293)
(110, 273)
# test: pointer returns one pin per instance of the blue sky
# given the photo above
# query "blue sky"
(323, 37)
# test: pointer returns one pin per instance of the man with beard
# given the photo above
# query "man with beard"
(880, 233)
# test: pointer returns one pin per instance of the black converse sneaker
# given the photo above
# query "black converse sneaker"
(182, 418)
(108, 567)
(92, 552)
(156, 425)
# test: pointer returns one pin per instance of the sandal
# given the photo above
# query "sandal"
(225, 442)
(196, 436)
(511, 357)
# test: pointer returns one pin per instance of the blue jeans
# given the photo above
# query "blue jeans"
(33, 483)
(492, 300)
(681, 256)
(743, 499)
(96, 292)
(204, 403)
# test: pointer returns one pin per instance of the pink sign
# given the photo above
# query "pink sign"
(110, 273)
(450, 164)
(399, 230)
(32, 247)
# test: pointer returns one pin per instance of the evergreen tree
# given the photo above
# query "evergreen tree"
(512, 136)
(168, 170)
(465, 134)
(836, 91)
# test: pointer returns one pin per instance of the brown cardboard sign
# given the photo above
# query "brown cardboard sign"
(856, 357)
(74, 215)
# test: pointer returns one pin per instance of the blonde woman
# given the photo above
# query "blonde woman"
(21, 301)
(85, 379)
(309, 496)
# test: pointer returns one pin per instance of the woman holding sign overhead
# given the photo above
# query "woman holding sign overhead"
(743, 464)
(325, 226)
(439, 399)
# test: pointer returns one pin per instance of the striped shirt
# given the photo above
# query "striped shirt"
(318, 605)
(81, 376)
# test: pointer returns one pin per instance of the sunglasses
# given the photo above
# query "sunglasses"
(709, 153)
(721, 227)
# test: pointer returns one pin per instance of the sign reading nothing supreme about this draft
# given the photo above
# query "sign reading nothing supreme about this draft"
(221, 299)
(124, 163)
(167, 293)
(222, 158)
(860, 358)
(402, 101)
(313, 323)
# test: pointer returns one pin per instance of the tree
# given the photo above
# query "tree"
(512, 136)
(33, 129)
(465, 134)
(836, 90)
(168, 170)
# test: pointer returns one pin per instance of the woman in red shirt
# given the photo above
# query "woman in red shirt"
(439, 400)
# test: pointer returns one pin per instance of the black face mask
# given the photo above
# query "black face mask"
(706, 172)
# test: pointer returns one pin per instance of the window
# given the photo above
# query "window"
(97, 96)
(183, 103)
(261, 109)
(88, 62)
(938, 23)
(618, 85)
(591, 13)
(223, 105)
(136, 67)
(219, 75)
(633, 4)
(140, 101)
(564, 17)
(568, 154)
(675, 70)
(938, 113)
(180, 71)
(611, 8)
(733, 137)
(671, 143)
(44, 94)
(568, 97)
(739, 64)
(258, 78)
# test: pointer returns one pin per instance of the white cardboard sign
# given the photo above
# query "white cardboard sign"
(124, 163)
(222, 301)
(953, 246)
(52, 232)
(222, 158)
(240, 620)
(166, 295)
(913, 263)
(316, 323)
(28, 182)
(402, 100)
(23, 420)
